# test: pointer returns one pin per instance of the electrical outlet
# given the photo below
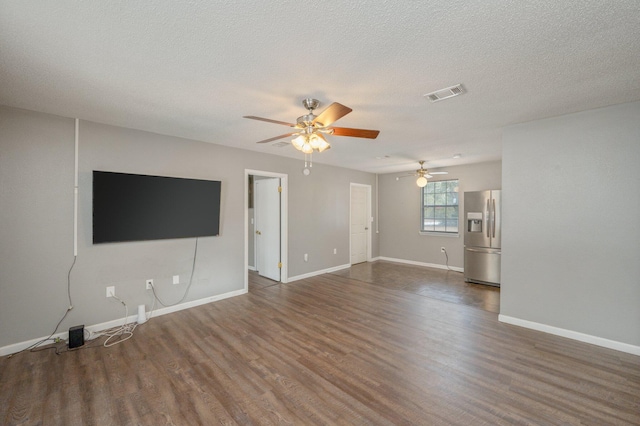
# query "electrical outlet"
(442, 250)
(111, 291)
(176, 279)
(149, 284)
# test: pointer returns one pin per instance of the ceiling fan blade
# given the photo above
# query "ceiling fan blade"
(356, 133)
(438, 173)
(405, 176)
(268, 120)
(332, 113)
(277, 137)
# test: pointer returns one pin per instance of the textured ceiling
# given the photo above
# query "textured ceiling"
(194, 68)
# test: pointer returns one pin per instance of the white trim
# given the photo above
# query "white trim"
(251, 268)
(440, 234)
(570, 334)
(17, 347)
(413, 262)
(377, 207)
(323, 271)
(284, 220)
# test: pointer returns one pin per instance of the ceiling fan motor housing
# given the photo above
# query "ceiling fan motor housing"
(305, 120)
(311, 104)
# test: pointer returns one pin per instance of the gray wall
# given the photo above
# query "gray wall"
(36, 225)
(36, 221)
(571, 236)
(399, 212)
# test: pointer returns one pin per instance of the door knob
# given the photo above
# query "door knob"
(258, 232)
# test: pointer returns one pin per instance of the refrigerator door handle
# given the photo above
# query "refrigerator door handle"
(493, 214)
(488, 221)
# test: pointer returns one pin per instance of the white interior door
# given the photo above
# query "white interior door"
(360, 195)
(267, 227)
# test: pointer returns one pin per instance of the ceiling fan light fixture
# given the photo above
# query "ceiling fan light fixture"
(309, 142)
(306, 148)
(421, 182)
(324, 146)
(298, 142)
(315, 140)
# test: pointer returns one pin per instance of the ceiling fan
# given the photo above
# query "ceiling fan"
(422, 174)
(310, 128)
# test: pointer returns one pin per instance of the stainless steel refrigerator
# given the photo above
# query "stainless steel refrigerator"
(482, 235)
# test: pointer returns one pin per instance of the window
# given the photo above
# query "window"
(440, 207)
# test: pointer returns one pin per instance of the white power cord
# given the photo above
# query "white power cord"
(447, 261)
(125, 329)
(153, 305)
(186, 291)
(69, 308)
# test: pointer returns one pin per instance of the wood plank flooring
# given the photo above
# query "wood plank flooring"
(326, 350)
(445, 285)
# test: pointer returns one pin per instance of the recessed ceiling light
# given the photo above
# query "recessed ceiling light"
(457, 155)
(446, 93)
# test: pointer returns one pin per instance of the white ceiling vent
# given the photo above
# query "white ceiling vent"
(280, 144)
(446, 93)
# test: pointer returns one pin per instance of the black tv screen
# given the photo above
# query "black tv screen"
(130, 207)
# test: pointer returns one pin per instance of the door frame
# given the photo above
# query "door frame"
(369, 218)
(284, 183)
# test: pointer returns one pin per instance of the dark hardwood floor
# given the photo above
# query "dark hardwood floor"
(330, 349)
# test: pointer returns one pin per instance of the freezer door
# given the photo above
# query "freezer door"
(477, 232)
(482, 265)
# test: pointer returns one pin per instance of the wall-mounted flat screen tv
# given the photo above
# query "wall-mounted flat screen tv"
(130, 207)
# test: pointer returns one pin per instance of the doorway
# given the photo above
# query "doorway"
(266, 224)
(360, 223)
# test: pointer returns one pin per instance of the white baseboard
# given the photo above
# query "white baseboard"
(413, 262)
(323, 271)
(17, 347)
(194, 303)
(390, 259)
(251, 268)
(587, 338)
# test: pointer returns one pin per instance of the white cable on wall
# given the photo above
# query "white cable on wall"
(75, 190)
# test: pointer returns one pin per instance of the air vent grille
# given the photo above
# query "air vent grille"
(280, 144)
(445, 93)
